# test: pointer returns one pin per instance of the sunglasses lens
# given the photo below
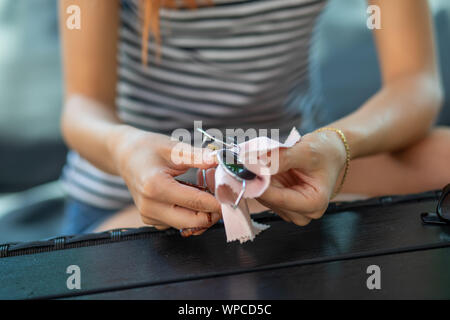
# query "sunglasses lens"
(445, 207)
(230, 161)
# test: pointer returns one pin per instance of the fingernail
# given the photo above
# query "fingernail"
(215, 217)
(209, 156)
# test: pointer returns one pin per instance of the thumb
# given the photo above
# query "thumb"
(271, 162)
(183, 154)
(297, 156)
(285, 159)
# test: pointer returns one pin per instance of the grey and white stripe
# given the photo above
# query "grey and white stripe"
(237, 64)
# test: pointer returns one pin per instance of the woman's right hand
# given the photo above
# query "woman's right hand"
(145, 161)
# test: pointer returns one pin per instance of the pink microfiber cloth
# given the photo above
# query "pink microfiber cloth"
(238, 224)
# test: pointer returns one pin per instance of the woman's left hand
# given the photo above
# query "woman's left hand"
(307, 177)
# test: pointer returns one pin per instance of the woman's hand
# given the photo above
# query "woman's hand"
(306, 178)
(146, 162)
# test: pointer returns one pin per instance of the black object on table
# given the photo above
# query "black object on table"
(326, 259)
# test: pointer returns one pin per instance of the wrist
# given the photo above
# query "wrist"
(118, 141)
(332, 146)
(344, 169)
(339, 152)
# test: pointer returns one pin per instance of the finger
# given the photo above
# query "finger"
(200, 177)
(182, 218)
(209, 176)
(211, 179)
(154, 223)
(296, 218)
(291, 216)
(298, 200)
(276, 210)
(315, 215)
(202, 231)
(161, 227)
(183, 154)
(170, 191)
(178, 217)
(192, 232)
(186, 233)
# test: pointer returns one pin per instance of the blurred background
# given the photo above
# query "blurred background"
(32, 152)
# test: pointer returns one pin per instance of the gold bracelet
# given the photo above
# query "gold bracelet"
(347, 159)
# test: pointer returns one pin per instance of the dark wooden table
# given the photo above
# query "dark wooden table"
(326, 259)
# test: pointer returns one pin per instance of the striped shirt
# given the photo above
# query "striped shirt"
(237, 64)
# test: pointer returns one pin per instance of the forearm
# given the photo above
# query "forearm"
(91, 129)
(89, 122)
(398, 115)
(405, 108)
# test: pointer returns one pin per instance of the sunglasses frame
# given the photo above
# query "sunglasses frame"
(234, 149)
(437, 218)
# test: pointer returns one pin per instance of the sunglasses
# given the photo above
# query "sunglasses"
(442, 215)
(228, 160)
